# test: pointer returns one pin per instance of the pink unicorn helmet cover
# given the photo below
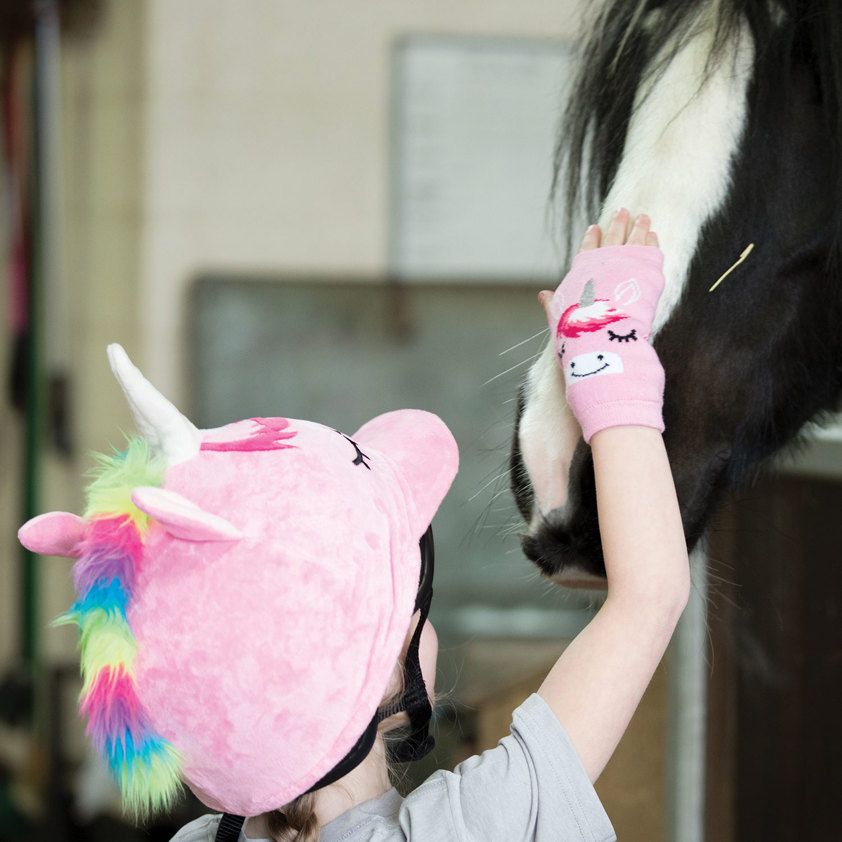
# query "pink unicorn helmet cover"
(244, 594)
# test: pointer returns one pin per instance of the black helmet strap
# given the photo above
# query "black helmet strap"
(414, 700)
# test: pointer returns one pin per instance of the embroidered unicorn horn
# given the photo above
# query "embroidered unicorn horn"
(588, 296)
(167, 432)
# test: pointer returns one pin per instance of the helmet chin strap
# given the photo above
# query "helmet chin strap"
(415, 701)
(419, 742)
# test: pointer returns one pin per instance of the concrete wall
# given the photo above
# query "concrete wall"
(267, 137)
(205, 134)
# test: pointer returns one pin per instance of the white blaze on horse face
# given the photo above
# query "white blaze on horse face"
(676, 167)
(548, 433)
(591, 364)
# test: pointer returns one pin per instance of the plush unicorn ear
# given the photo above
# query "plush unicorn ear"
(181, 517)
(53, 533)
(167, 432)
(423, 448)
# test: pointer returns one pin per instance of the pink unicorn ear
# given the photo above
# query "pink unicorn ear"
(181, 517)
(53, 533)
(424, 449)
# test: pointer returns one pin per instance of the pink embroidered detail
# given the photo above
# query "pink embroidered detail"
(577, 320)
(268, 434)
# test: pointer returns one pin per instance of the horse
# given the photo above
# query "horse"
(723, 122)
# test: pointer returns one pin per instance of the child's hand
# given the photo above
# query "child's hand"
(640, 234)
(600, 318)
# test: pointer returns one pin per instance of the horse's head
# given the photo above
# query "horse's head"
(718, 164)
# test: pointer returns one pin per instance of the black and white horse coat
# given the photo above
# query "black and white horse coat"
(722, 122)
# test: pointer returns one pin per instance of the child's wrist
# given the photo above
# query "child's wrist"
(626, 414)
(632, 397)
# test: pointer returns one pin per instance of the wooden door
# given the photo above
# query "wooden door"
(774, 753)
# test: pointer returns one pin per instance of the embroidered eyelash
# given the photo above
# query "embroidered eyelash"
(629, 337)
(360, 458)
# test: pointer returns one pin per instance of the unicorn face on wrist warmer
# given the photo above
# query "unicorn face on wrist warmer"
(601, 318)
(588, 328)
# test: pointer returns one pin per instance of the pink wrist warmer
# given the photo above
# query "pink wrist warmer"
(601, 318)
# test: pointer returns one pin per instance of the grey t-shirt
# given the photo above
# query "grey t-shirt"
(531, 786)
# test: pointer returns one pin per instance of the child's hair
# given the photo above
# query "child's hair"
(296, 822)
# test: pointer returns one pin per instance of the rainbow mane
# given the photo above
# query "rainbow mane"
(143, 763)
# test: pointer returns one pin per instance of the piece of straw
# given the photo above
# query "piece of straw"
(743, 256)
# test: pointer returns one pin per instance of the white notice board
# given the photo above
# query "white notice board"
(474, 127)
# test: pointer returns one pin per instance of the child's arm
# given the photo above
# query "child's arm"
(596, 685)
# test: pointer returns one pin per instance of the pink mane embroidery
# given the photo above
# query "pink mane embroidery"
(577, 320)
(268, 434)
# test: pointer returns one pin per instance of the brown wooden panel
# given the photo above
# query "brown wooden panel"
(775, 694)
(499, 675)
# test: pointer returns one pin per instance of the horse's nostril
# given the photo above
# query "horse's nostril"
(564, 548)
(564, 540)
(530, 547)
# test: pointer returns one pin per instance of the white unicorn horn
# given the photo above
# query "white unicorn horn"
(167, 432)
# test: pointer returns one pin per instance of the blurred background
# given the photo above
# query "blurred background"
(323, 210)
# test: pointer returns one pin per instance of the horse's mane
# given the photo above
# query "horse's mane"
(632, 42)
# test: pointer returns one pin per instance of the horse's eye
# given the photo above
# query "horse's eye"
(631, 336)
